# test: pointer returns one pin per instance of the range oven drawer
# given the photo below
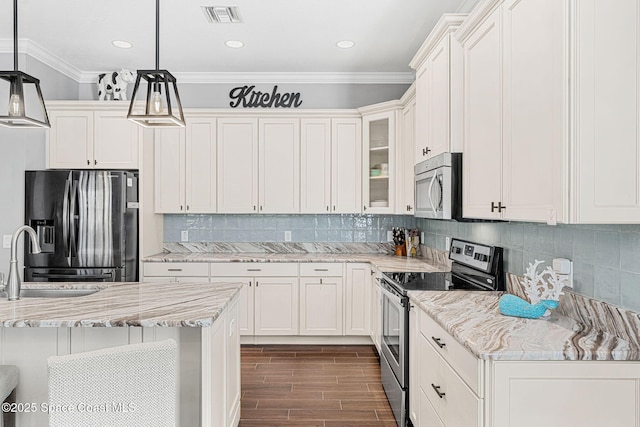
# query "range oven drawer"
(465, 363)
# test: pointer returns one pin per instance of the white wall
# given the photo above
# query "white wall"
(312, 95)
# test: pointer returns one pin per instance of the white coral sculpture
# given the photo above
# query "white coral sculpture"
(546, 285)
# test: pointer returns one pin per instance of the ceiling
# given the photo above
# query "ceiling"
(279, 36)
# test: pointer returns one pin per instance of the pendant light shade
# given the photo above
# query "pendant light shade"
(24, 105)
(161, 107)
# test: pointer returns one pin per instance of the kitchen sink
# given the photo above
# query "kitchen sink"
(52, 293)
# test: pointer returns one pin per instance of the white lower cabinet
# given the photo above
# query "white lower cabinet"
(357, 299)
(586, 394)
(376, 309)
(321, 306)
(455, 388)
(269, 296)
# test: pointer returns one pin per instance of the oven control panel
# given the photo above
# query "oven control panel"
(472, 254)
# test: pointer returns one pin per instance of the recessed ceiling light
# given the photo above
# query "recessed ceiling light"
(122, 44)
(234, 44)
(345, 44)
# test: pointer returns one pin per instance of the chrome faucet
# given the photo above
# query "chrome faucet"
(14, 282)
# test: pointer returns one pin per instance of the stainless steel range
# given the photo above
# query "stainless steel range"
(475, 267)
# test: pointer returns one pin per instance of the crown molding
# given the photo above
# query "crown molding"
(282, 78)
(34, 50)
(477, 16)
(448, 23)
(29, 47)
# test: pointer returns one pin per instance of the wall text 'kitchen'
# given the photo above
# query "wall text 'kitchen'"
(247, 97)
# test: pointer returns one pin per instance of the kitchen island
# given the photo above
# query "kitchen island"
(200, 317)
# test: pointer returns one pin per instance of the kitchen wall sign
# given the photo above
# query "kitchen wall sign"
(247, 97)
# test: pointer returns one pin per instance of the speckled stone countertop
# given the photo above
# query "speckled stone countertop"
(122, 304)
(383, 262)
(473, 319)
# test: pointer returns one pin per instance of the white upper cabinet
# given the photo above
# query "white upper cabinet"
(605, 142)
(169, 170)
(237, 165)
(185, 159)
(279, 154)
(482, 158)
(315, 165)
(330, 172)
(200, 165)
(346, 165)
(85, 137)
(533, 128)
(435, 82)
(405, 155)
(515, 162)
(378, 157)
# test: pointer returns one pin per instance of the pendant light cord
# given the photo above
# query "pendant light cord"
(157, 34)
(15, 35)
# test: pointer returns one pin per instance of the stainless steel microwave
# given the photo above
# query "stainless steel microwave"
(438, 187)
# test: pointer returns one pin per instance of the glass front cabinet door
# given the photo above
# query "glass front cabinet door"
(379, 138)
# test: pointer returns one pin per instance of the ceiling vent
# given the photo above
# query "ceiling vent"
(222, 14)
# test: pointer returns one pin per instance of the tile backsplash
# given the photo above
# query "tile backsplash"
(346, 228)
(606, 257)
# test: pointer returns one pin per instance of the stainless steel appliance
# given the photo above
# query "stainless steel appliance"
(86, 223)
(438, 187)
(475, 267)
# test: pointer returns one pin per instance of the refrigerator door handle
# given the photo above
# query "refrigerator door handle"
(72, 218)
(72, 277)
(65, 219)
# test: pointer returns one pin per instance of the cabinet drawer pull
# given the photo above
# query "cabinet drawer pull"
(437, 341)
(320, 269)
(175, 269)
(436, 388)
(254, 269)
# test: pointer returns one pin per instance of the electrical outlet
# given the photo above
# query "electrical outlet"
(287, 236)
(551, 218)
(422, 237)
(6, 241)
(447, 243)
(184, 235)
(389, 236)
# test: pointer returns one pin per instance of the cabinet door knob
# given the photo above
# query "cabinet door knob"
(187, 207)
(261, 207)
(327, 208)
(364, 208)
(95, 162)
(334, 207)
(500, 207)
(180, 207)
(436, 388)
(88, 162)
(493, 206)
(425, 151)
(254, 207)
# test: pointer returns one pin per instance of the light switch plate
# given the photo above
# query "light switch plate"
(6, 241)
(389, 236)
(287, 236)
(447, 243)
(422, 237)
(184, 235)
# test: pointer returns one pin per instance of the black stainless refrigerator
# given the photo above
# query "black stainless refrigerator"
(87, 225)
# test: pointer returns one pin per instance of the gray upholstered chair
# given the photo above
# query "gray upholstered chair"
(8, 384)
(131, 385)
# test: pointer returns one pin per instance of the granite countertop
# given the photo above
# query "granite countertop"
(383, 262)
(122, 304)
(473, 319)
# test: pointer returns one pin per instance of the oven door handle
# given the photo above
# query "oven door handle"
(396, 299)
(430, 197)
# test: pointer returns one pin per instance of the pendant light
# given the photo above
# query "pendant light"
(25, 96)
(157, 109)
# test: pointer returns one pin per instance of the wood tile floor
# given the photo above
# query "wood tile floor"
(312, 386)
